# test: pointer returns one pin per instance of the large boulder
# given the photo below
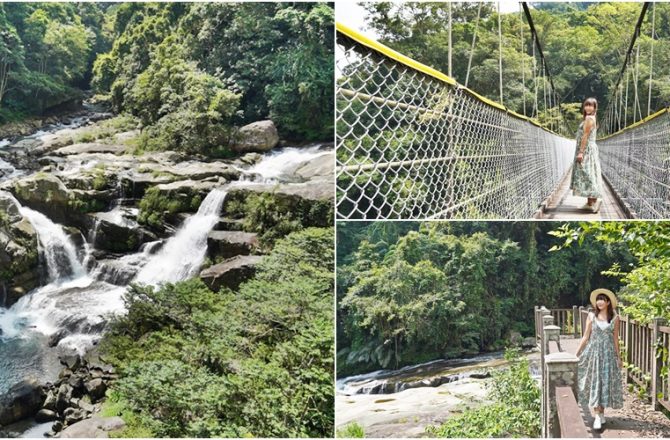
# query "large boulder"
(23, 400)
(95, 427)
(228, 244)
(231, 273)
(259, 136)
(310, 202)
(322, 167)
(45, 193)
(113, 231)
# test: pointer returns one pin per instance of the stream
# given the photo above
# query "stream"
(70, 311)
(403, 402)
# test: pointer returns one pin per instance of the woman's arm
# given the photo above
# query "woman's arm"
(588, 126)
(585, 338)
(615, 335)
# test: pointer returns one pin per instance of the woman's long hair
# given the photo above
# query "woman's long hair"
(592, 101)
(610, 309)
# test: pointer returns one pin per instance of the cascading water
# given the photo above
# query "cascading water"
(183, 254)
(57, 249)
(281, 163)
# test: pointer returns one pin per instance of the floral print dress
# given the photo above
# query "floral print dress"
(599, 374)
(586, 176)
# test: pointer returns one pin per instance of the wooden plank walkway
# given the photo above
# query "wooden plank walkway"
(565, 206)
(635, 420)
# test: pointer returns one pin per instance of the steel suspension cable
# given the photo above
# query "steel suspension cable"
(651, 58)
(472, 48)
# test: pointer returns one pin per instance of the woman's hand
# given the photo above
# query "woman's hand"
(580, 157)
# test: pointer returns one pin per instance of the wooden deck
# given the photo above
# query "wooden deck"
(564, 206)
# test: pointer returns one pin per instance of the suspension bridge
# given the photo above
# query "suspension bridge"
(415, 144)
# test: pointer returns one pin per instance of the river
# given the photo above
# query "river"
(402, 403)
(69, 312)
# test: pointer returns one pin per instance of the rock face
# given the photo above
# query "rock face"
(95, 147)
(528, 343)
(231, 273)
(228, 244)
(259, 136)
(18, 253)
(21, 401)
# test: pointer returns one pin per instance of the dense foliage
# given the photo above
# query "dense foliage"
(188, 71)
(46, 54)
(257, 362)
(646, 285)
(584, 46)
(514, 411)
(410, 292)
(179, 65)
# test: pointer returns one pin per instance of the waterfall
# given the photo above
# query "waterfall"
(183, 254)
(59, 253)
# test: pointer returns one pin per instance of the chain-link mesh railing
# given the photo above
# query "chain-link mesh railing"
(636, 162)
(412, 143)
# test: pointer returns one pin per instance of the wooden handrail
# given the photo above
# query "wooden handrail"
(569, 414)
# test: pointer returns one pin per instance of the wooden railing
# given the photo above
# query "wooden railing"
(561, 416)
(645, 350)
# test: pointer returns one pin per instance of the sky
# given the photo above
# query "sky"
(353, 15)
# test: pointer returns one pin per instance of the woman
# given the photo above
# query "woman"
(586, 177)
(600, 364)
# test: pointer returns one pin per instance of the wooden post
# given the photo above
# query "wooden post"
(656, 365)
(576, 317)
(629, 347)
(581, 321)
(537, 324)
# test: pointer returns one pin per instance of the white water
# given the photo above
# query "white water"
(4, 142)
(183, 254)
(282, 162)
(57, 249)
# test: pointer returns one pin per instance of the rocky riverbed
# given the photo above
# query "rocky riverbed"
(404, 402)
(83, 215)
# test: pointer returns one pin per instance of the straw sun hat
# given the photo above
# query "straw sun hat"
(605, 292)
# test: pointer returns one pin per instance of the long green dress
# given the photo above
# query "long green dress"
(586, 177)
(599, 374)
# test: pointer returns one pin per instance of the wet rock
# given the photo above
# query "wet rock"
(72, 362)
(515, 338)
(73, 416)
(231, 273)
(228, 244)
(50, 401)
(121, 235)
(45, 415)
(259, 136)
(95, 427)
(57, 426)
(96, 388)
(23, 400)
(63, 398)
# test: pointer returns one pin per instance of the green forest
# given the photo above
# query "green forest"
(197, 363)
(412, 292)
(189, 72)
(584, 45)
